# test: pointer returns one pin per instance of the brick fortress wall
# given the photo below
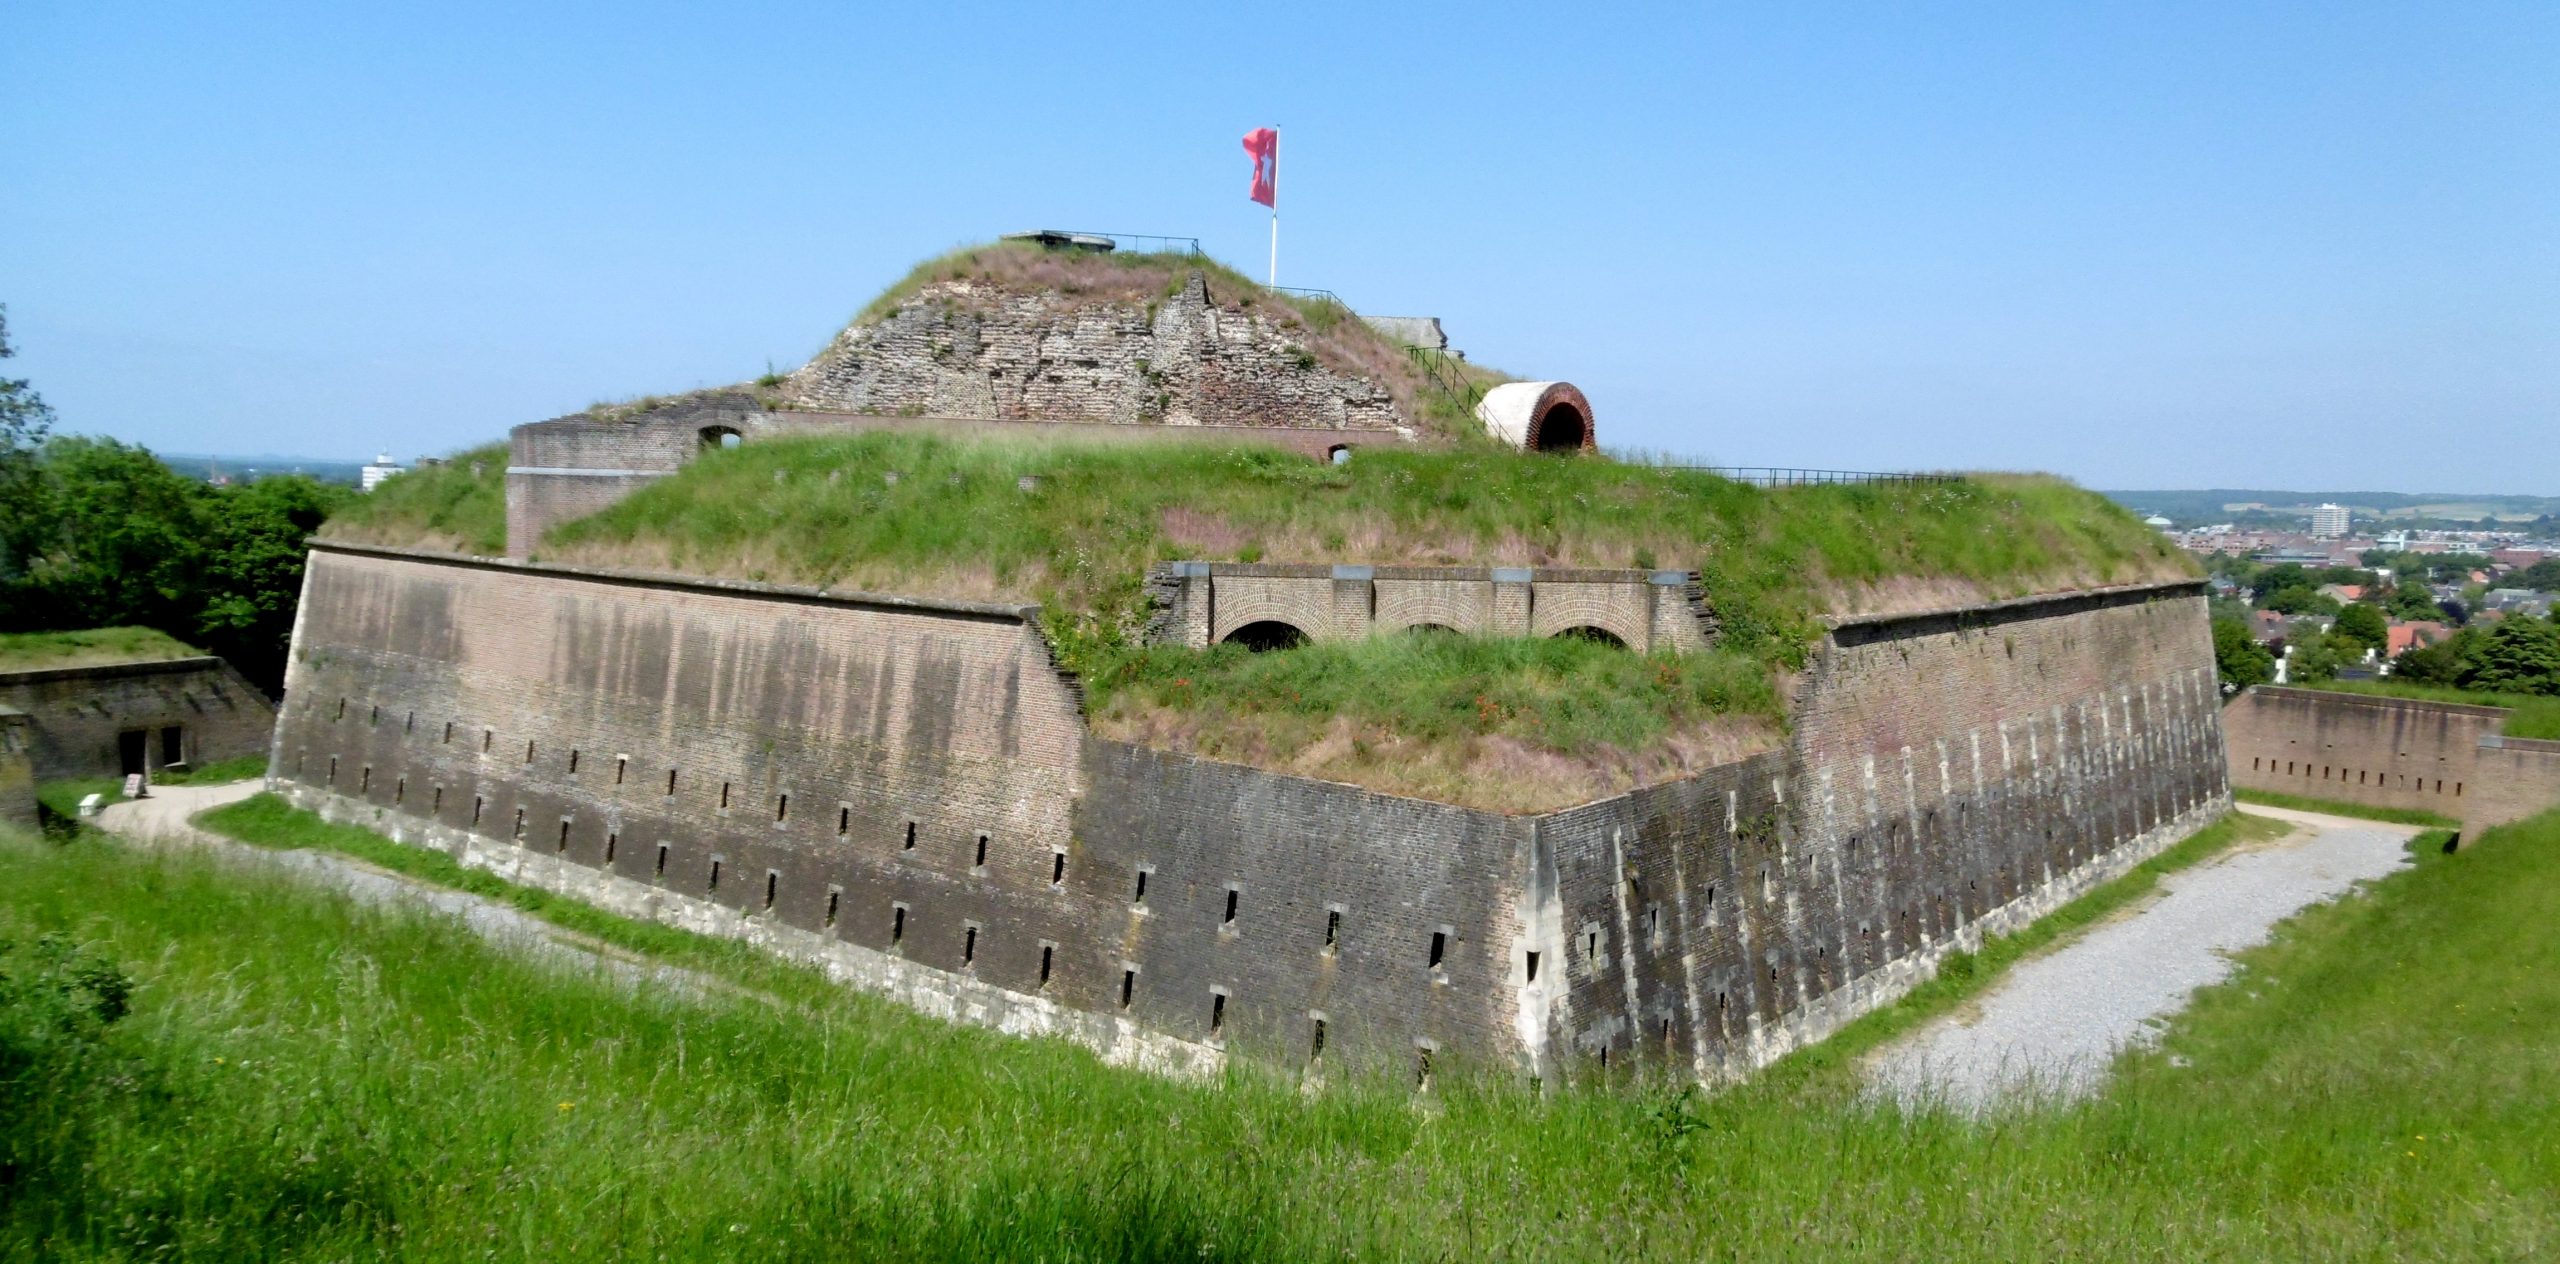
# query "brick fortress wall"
(1949, 774)
(901, 791)
(2380, 752)
(78, 715)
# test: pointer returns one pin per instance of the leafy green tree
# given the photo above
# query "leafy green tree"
(2442, 663)
(25, 420)
(251, 575)
(2315, 659)
(2412, 601)
(119, 538)
(2543, 575)
(2300, 599)
(2238, 656)
(112, 536)
(2363, 625)
(2520, 654)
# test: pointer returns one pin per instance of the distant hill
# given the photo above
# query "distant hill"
(2217, 504)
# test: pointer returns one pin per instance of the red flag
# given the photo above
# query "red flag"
(1264, 144)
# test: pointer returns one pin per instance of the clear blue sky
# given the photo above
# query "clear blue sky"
(2146, 244)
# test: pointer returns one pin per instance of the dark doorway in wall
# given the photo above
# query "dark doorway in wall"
(130, 746)
(715, 438)
(1562, 429)
(173, 746)
(1601, 635)
(1269, 634)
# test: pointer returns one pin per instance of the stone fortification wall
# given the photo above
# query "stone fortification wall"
(2402, 753)
(88, 721)
(2356, 748)
(901, 791)
(905, 793)
(2518, 777)
(962, 350)
(1397, 923)
(1949, 774)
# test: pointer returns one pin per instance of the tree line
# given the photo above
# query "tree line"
(97, 533)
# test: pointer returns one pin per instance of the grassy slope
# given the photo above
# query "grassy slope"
(1480, 723)
(2534, 716)
(31, 651)
(306, 1077)
(438, 507)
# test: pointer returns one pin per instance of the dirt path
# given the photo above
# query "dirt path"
(167, 819)
(2052, 1025)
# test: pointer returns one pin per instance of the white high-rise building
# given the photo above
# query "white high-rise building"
(2329, 521)
(383, 467)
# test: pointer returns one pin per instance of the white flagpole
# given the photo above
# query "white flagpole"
(1275, 207)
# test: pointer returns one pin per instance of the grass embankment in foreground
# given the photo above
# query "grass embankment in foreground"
(2533, 716)
(1439, 720)
(445, 507)
(93, 647)
(307, 1077)
(2305, 803)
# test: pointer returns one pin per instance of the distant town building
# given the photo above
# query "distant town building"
(383, 467)
(2328, 522)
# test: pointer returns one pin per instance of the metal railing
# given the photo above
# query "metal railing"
(1140, 243)
(1788, 476)
(1446, 372)
(1321, 296)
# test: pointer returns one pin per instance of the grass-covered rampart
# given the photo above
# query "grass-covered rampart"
(1076, 525)
(303, 1077)
(459, 506)
(92, 647)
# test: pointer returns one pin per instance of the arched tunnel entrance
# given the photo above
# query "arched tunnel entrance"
(1562, 429)
(1539, 417)
(1266, 635)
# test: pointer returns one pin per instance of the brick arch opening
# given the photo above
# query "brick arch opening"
(1539, 417)
(1561, 428)
(1265, 635)
(1429, 629)
(1586, 632)
(714, 438)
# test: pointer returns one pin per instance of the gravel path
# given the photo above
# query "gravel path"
(166, 818)
(2052, 1025)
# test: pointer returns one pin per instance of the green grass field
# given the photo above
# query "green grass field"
(2535, 716)
(304, 1078)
